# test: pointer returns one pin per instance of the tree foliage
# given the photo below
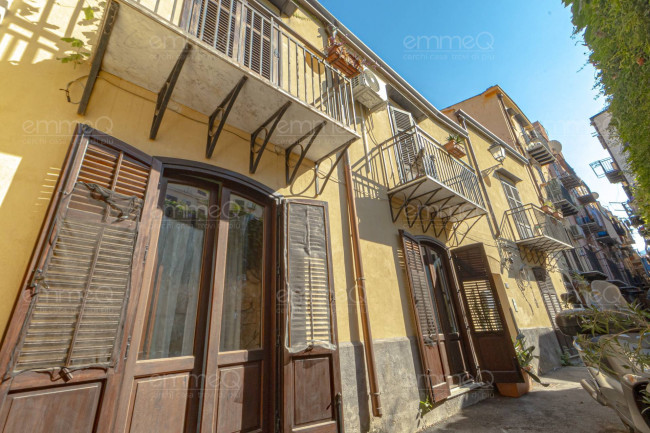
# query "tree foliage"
(617, 32)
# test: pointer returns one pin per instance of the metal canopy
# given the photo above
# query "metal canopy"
(143, 48)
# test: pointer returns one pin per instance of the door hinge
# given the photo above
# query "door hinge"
(277, 270)
(277, 340)
(128, 347)
(37, 279)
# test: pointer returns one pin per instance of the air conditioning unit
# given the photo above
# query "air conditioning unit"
(576, 231)
(369, 90)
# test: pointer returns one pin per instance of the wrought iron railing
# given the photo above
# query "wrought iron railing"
(265, 47)
(605, 167)
(529, 222)
(557, 193)
(413, 154)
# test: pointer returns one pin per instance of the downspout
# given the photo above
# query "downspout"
(361, 290)
(521, 148)
(496, 231)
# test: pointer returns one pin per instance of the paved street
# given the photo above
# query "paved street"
(561, 407)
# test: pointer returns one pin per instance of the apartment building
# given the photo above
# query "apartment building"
(234, 216)
(616, 168)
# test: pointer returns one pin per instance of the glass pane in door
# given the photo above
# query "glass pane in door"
(171, 318)
(241, 319)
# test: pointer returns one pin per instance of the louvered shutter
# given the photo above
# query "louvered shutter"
(432, 355)
(492, 341)
(80, 292)
(406, 151)
(217, 24)
(311, 373)
(553, 307)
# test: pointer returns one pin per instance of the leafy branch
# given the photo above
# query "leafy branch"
(80, 52)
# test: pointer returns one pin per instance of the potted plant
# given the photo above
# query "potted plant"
(339, 57)
(524, 358)
(547, 207)
(455, 146)
(557, 213)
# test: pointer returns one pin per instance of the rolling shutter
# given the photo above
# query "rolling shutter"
(406, 151)
(497, 361)
(79, 293)
(310, 374)
(432, 355)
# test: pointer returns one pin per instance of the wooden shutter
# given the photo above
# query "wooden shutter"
(217, 24)
(311, 382)
(406, 151)
(553, 307)
(432, 354)
(492, 341)
(72, 309)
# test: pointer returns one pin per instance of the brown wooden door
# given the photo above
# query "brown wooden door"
(493, 344)
(553, 307)
(431, 341)
(163, 379)
(62, 355)
(310, 374)
(204, 329)
(448, 312)
(240, 364)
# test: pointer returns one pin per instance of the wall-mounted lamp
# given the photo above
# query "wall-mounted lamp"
(499, 154)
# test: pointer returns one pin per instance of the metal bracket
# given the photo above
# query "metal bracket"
(255, 156)
(341, 151)
(303, 151)
(165, 93)
(404, 204)
(224, 110)
(111, 16)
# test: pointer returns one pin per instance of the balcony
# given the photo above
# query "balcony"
(608, 168)
(604, 237)
(531, 227)
(226, 59)
(560, 197)
(585, 196)
(417, 169)
(538, 148)
(570, 179)
(589, 224)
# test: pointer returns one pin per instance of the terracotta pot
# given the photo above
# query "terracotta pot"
(455, 149)
(546, 209)
(339, 57)
(516, 390)
(557, 214)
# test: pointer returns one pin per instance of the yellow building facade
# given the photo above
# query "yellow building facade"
(280, 318)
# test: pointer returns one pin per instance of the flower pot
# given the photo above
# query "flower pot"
(455, 149)
(339, 57)
(547, 209)
(516, 390)
(557, 214)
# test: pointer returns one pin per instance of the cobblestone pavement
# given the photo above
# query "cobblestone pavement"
(561, 407)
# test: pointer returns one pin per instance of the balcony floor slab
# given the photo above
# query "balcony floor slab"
(143, 49)
(438, 197)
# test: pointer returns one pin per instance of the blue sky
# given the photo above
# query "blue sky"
(453, 50)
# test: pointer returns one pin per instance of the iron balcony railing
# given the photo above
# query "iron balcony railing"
(530, 225)
(413, 154)
(265, 47)
(560, 196)
(607, 168)
(538, 148)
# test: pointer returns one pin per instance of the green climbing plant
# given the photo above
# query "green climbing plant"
(617, 33)
(80, 52)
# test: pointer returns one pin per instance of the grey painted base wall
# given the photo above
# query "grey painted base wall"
(547, 348)
(399, 373)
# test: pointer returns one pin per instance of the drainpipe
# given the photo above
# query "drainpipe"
(361, 290)
(496, 232)
(521, 148)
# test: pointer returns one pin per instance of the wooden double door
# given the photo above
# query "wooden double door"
(157, 301)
